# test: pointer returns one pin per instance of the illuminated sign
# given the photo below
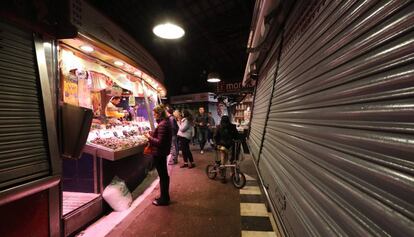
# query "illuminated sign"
(234, 87)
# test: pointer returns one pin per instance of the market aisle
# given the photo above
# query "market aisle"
(200, 207)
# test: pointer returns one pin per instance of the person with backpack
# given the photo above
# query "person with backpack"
(224, 138)
(173, 156)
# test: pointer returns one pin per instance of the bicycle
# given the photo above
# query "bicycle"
(237, 177)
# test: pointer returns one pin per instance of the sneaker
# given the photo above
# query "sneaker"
(184, 165)
(191, 165)
(201, 152)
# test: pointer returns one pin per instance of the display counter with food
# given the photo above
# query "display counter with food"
(117, 142)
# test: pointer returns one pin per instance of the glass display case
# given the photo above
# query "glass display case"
(116, 141)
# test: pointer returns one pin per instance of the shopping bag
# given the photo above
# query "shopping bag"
(148, 150)
(117, 195)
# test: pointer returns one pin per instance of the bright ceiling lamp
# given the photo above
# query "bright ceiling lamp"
(87, 48)
(168, 31)
(119, 63)
(213, 77)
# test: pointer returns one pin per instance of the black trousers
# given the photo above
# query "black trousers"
(185, 148)
(160, 163)
(202, 137)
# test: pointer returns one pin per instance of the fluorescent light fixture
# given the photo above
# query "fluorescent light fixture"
(87, 48)
(213, 77)
(213, 80)
(168, 31)
(119, 63)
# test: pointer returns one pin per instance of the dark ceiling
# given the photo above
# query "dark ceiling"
(215, 39)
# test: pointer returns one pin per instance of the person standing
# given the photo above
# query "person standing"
(184, 138)
(201, 122)
(178, 117)
(160, 141)
(111, 109)
(211, 127)
(173, 157)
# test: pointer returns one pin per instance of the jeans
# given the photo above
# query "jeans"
(174, 148)
(160, 163)
(202, 137)
(185, 147)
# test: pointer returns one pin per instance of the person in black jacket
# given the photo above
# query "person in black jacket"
(201, 122)
(225, 135)
(160, 141)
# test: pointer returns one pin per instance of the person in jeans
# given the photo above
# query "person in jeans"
(178, 117)
(202, 124)
(184, 138)
(211, 127)
(160, 141)
(173, 157)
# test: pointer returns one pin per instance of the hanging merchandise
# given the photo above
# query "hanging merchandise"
(115, 90)
(84, 89)
(137, 90)
(70, 84)
(131, 100)
(96, 103)
(124, 82)
(99, 80)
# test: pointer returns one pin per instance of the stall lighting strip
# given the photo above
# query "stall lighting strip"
(108, 64)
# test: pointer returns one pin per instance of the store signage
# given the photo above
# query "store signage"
(191, 98)
(234, 87)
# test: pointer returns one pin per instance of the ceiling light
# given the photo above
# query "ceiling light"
(213, 77)
(138, 73)
(119, 63)
(168, 31)
(87, 48)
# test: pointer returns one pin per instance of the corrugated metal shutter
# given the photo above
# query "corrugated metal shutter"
(260, 110)
(338, 153)
(23, 143)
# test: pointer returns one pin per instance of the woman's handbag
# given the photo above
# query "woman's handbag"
(148, 150)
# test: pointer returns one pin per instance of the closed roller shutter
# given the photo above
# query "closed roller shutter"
(23, 144)
(260, 110)
(338, 153)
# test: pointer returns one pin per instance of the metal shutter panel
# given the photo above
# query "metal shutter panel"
(339, 144)
(260, 110)
(23, 144)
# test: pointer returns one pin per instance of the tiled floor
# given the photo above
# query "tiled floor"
(255, 219)
(199, 207)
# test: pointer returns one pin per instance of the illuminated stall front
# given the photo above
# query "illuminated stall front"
(106, 95)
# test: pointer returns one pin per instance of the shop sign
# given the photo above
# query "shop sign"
(191, 98)
(234, 87)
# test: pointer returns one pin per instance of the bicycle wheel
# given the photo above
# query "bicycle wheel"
(239, 180)
(211, 171)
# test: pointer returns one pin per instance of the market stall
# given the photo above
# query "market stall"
(120, 97)
(101, 77)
